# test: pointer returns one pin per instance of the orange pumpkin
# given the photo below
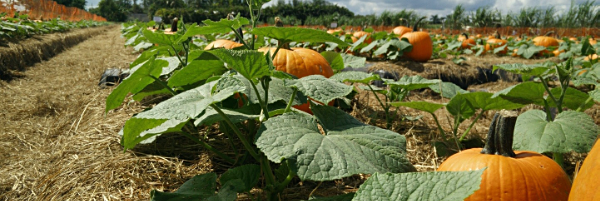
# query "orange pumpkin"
(591, 57)
(401, 30)
(520, 175)
(332, 31)
(496, 43)
(300, 62)
(359, 34)
(221, 43)
(585, 185)
(467, 43)
(545, 41)
(422, 44)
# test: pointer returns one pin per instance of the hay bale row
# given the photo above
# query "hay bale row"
(18, 55)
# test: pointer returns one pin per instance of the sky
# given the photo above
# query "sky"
(432, 7)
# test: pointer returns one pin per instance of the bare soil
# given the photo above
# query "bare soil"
(57, 142)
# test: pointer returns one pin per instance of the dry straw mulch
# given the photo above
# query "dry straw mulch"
(56, 142)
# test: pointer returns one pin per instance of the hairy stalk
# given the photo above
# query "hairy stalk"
(385, 108)
(164, 85)
(289, 105)
(237, 131)
(471, 125)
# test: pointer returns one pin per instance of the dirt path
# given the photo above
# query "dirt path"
(57, 144)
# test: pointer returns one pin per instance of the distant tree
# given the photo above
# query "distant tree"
(435, 19)
(111, 11)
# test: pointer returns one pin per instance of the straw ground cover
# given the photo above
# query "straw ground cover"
(56, 143)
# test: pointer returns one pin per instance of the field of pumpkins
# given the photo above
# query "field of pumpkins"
(467, 99)
(229, 110)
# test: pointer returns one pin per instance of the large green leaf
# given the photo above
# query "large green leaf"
(573, 99)
(140, 77)
(277, 92)
(251, 64)
(570, 131)
(143, 131)
(484, 101)
(355, 76)
(447, 89)
(433, 186)
(320, 88)
(419, 105)
(289, 34)
(247, 174)
(523, 93)
(460, 107)
(353, 61)
(528, 51)
(193, 102)
(222, 26)
(160, 38)
(173, 64)
(195, 71)
(198, 188)
(334, 59)
(347, 147)
(596, 93)
(524, 69)
(412, 82)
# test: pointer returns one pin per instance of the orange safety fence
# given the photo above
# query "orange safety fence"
(45, 10)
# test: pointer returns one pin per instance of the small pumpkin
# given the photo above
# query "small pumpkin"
(545, 41)
(300, 62)
(340, 31)
(467, 43)
(509, 176)
(421, 42)
(222, 43)
(496, 43)
(585, 185)
(359, 34)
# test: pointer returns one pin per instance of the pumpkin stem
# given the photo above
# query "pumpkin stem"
(465, 34)
(417, 23)
(549, 33)
(279, 23)
(500, 136)
(174, 25)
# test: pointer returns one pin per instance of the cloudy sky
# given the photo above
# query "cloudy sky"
(432, 7)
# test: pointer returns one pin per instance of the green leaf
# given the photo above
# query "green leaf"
(277, 92)
(140, 77)
(347, 147)
(222, 26)
(344, 197)
(251, 64)
(460, 107)
(499, 49)
(289, 34)
(228, 191)
(434, 186)
(524, 69)
(447, 89)
(140, 130)
(320, 88)
(528, 51)
(334, 59)
(413, 82)
(355, 76)
(595, 94)
(523, 93)
(573, 99)
(419, 105)
(197, 188)
(160, 38)
(484, 101)
(353, 61)
(211, 116)
(570, 131)
(173, 64)
(195, 71)
(193, 102)
(248, 174)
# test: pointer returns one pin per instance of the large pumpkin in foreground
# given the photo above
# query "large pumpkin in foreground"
(585, 185)
(300, 62)
(510, 176)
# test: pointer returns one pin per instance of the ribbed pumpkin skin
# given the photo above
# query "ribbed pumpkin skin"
(468, 43)
(527, 177)
(585, 185)
(401, 30)
(422, 46)
(227, 44)
(300, 62)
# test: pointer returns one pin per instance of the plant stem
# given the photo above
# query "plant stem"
(289, 105)
(471, 126)
(547, 88)
(265, 85)
(164, 85)
(206, 146)
(439, 126)
(386, 109)
(237, 132)
(558, 157)
(580, 108)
